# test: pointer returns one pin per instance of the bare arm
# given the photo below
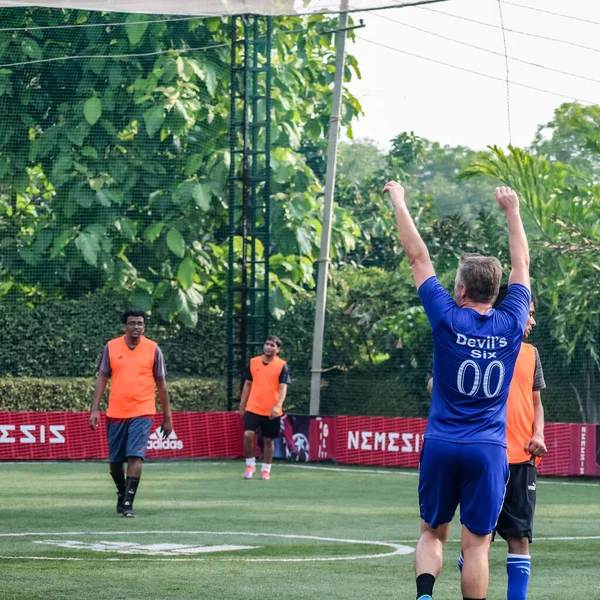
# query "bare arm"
(536, 445)
(163, 398)
(244, 398)
(278, 408)
(519, 249)
(414, 246)
(101, 382)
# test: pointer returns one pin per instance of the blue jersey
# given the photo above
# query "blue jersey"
(474, 358)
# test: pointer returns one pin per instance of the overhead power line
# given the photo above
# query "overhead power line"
(105, 24)
(507, 73)
(473, 72)
(158, 52)
(516, 31)
(550, 12)
(488, 50)
(132, 55)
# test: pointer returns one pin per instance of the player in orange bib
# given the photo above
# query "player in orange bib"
(525, 446)
(261, 404)
(135, 366)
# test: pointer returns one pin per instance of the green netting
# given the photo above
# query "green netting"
(115, 157)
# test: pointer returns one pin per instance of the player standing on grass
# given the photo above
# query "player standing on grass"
(135, 364)
(261, 404)
(525, 445)
(463, 460)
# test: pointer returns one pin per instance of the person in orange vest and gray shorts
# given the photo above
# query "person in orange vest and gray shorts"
(261, 404)
(135, 366)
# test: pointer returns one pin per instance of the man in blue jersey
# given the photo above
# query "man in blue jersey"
(463, 460)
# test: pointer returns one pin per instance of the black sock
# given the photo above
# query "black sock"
(425, 583)
(119, 479)
(130, 490)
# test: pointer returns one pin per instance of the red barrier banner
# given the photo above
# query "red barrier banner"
(389, 442)
(583, 450)
(573, 449)
(557, 460)
(322, 438)
(66, 436)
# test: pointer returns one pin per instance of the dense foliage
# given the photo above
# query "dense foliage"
(113, 191)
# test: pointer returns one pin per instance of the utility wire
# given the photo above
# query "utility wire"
(106, 24)
(473, 72)
(525, 33)
(133, 55)
(549, 12)
(159, 52)
(519, 60)
(507, 73)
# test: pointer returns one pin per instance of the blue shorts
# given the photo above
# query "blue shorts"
(472, 475)
(128, 437)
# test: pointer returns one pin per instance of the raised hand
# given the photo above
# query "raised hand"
(506, 198)
(396, 192)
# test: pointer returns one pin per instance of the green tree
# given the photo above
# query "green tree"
(563, 227)
(114, 169)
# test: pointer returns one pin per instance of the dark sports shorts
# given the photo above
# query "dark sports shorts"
(128, 437)
(472, 475)
(269, 427)
(516, 517)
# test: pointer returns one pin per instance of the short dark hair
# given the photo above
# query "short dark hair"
(133, 312)
(502, 294)
(273, 338)
(480, 275)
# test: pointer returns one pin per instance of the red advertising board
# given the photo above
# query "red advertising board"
(573, 449)
(63, 436)
(396, 442)
(390, 442)
(322, 438)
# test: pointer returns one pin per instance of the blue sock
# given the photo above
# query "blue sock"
(461, 561)
(518, 567)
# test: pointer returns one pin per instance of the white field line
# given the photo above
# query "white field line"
(570, 538)
(397, 549)
(414, 473)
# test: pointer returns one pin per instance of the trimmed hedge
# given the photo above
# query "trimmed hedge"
(65, 338)
(75, 394)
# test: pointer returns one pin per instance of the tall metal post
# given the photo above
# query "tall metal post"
(249, 195)
(334, 129)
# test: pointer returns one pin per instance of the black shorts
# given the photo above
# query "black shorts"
(268, 427)
(516, 516)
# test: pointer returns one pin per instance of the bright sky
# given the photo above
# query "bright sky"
(400, 92)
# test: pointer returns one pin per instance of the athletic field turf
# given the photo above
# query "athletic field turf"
(309, 533)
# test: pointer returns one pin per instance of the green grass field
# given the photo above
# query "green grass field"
(203, 533)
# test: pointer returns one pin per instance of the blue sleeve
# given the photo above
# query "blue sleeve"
(435, 300)
(517, 303)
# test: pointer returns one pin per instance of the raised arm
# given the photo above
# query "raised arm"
(519, 249)
(413, 244)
